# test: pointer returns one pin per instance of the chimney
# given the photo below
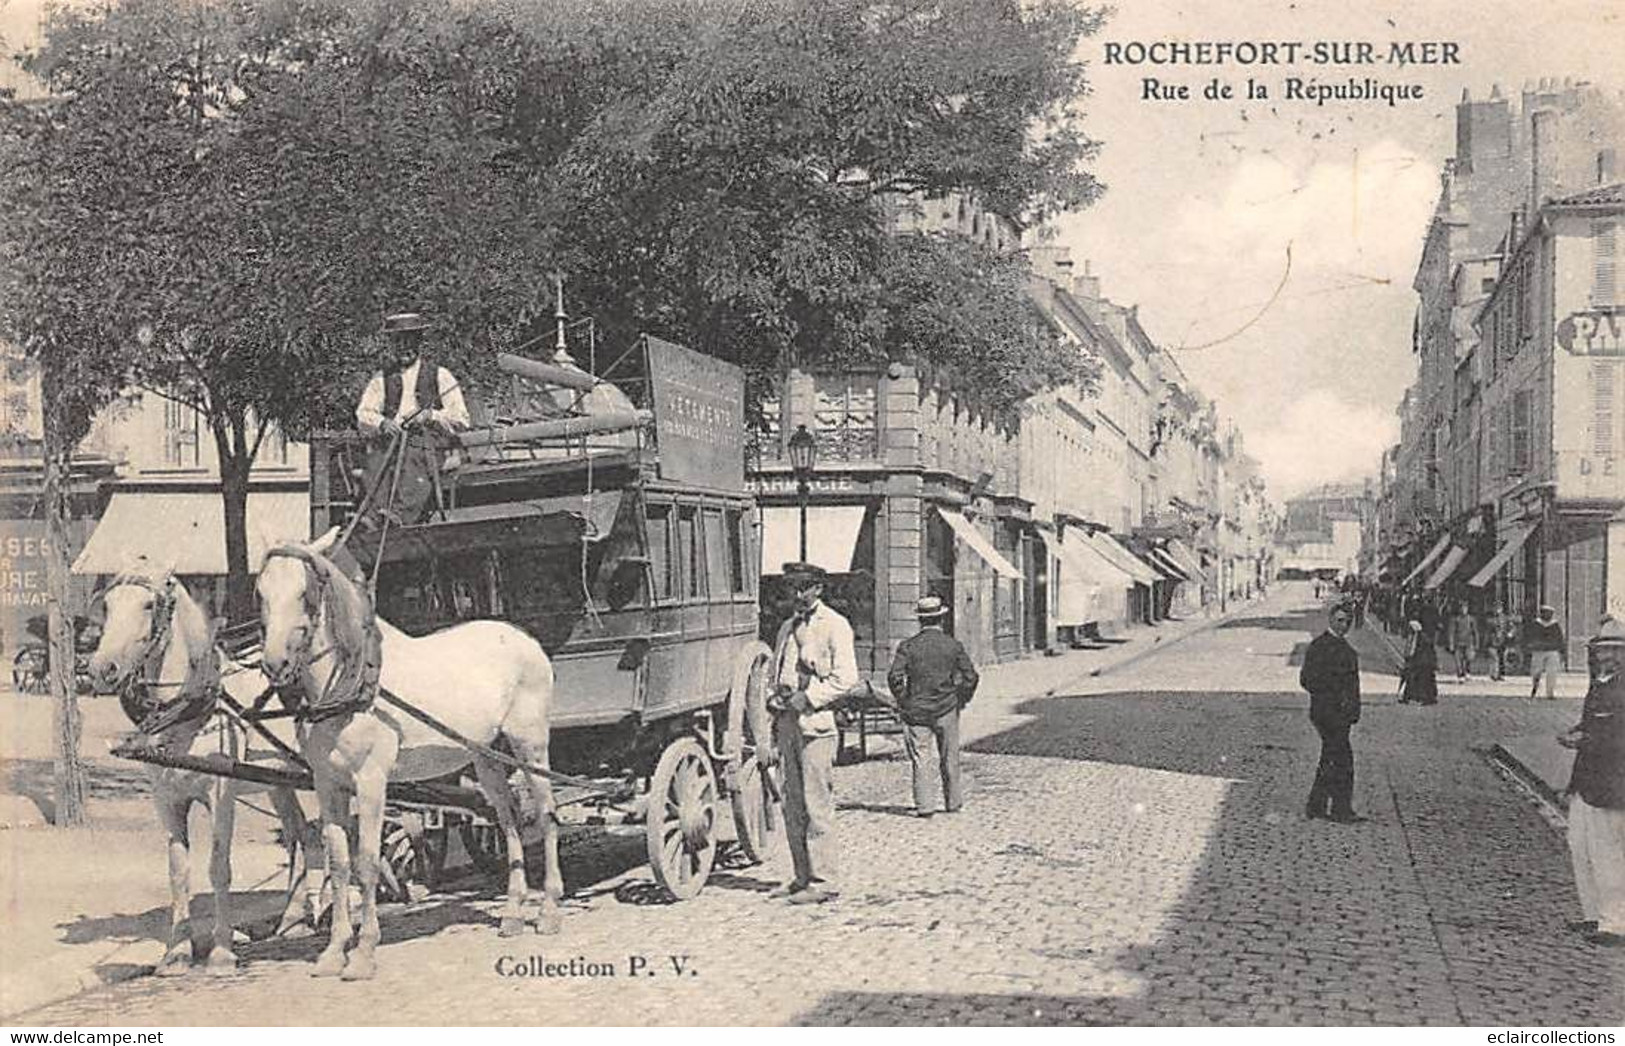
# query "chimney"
(1087, 286)
(1542, 155)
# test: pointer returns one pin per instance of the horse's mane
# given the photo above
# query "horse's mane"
(351, 613)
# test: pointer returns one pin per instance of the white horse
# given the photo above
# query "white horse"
(157, 649)
(483, 679)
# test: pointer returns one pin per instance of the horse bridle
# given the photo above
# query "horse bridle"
(135, 693)
(354, 682)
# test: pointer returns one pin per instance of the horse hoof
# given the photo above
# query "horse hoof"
(222, 962)
(512, 926)
(360, 968)
(549, 923)
(329, 965)
(172, 968)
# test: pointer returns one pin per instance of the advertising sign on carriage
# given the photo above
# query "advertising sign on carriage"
(699, 407)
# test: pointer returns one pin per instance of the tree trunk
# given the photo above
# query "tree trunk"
(234, 468)
(68, 771)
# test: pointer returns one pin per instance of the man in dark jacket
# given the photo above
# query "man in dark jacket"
(1545, 644)
(1597, 792)
(932, 678)
(1331, 674)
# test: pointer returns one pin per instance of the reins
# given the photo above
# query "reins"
(353, 685)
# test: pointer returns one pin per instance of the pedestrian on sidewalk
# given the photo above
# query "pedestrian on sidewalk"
(932, 679)
(1419, 682)
(1463, 640)
(1496, 627)
(1597, 791)
(1545, 644)
(814, 664)
(1331, 675)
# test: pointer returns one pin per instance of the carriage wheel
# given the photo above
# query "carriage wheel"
(29, 671)
(682, 824)
(485, 847)
(758, 811)
(412, 853)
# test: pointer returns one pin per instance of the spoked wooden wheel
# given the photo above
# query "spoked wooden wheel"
(758, 811)
(682, 825)
(412, 853)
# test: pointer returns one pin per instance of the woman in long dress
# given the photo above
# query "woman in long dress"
(1420, 682)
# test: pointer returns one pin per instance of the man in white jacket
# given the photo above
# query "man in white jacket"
(418, 401)
(814, 664)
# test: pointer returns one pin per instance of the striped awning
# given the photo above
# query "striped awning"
(1451, 561)
(1515, 538)
(1427, 560)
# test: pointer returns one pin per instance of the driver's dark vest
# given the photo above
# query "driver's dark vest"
(426, 389)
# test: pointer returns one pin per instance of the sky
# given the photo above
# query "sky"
(1207, 200)
(1271, 244)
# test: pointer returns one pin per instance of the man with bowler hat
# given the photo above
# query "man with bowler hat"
(814, 664)
(413, 399)
(1331, 674)
(932, 678)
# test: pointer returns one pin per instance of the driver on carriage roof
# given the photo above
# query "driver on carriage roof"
(417, 399)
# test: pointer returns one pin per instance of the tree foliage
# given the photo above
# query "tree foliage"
(222, 197)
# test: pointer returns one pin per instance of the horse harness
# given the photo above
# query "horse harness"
(150, 714)
(353, 686)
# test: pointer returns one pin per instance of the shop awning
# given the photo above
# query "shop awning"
(1451, 562)
(832, 537)
(187, 531)
(1125, 560)
(1187, 558)
(1168, 563)
(1515, 538)
(1083, 562)
(968, 533)
(1427, 560)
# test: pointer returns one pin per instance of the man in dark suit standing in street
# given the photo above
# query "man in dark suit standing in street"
(1331, 674)
(932, 678)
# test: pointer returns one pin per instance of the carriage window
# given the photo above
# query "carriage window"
(662, 564)
(689, 551)
(716, 554)
(736, 552)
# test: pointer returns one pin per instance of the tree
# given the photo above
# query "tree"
(737, 198)
(270, 180)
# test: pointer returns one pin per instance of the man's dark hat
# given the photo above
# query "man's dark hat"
(398, 322)
(930, 608)
(805, 572)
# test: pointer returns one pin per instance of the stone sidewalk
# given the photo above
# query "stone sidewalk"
(89, 906)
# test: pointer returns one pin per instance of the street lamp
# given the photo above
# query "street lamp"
(803, 453)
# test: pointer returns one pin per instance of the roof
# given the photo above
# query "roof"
(1600, 196)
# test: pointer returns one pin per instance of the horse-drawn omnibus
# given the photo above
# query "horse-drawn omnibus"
(617, 531)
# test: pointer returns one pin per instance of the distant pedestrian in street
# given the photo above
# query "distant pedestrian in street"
(1419, 682)
(1463, 640)
(932, 678)
(814, 664)
(1495, 637)
(1597, 791)
(1545, 644)
(1331, 675)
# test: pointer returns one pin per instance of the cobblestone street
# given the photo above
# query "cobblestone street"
(1133, 852)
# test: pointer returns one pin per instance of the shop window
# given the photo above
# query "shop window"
(662, 562)
(846, 417)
